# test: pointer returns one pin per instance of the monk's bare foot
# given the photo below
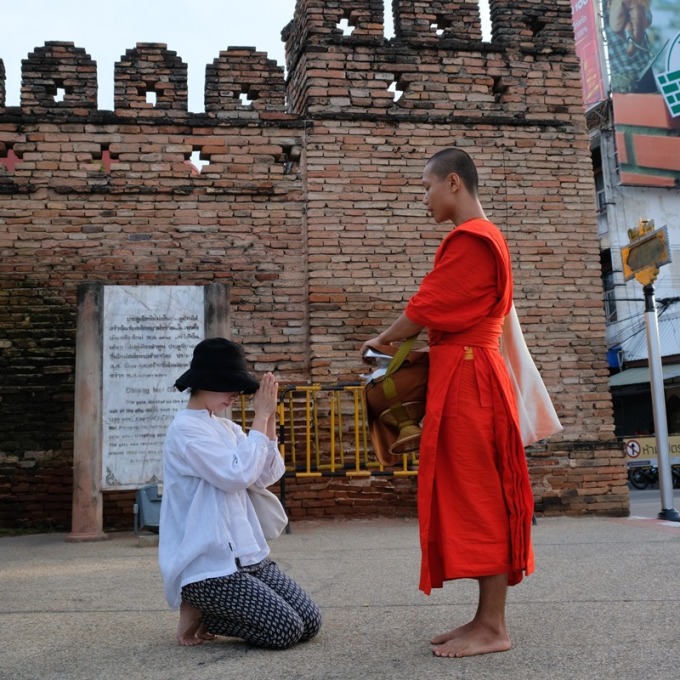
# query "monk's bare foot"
(190, 630)
(450, 635)
(476, 639)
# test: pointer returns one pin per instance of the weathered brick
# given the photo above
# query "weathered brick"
(313, 215)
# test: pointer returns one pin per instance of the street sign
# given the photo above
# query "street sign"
(647, 251)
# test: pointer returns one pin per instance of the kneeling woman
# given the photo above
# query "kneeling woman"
(212, 552)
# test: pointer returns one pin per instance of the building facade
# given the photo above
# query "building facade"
(634, 122)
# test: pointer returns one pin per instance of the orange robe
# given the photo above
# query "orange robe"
(475, 503)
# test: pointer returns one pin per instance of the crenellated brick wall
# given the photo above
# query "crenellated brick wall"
(311, 211)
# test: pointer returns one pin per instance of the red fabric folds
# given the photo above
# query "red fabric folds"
(475, 503)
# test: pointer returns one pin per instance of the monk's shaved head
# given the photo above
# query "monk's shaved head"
(452, 160)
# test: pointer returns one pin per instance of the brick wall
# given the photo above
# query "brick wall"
(312, 214)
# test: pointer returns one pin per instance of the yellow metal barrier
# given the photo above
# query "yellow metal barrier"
(323, 431)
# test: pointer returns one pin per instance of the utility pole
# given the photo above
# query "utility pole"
(647, 251)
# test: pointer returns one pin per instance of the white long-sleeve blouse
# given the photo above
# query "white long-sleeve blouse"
(207, 519)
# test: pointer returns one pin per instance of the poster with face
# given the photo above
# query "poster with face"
(640, 38)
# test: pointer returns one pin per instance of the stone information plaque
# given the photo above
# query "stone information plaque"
(149, 333)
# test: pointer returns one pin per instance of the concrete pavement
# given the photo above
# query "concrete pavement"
(604, 603)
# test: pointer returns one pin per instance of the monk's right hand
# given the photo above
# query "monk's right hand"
(373, 342)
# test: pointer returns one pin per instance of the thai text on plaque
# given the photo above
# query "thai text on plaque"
(149, 336)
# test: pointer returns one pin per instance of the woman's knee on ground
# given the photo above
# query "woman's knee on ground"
(312, 620)
(284, 634)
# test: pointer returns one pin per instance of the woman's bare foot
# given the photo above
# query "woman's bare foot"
(203, 634)
(471, 639)
(190, 630)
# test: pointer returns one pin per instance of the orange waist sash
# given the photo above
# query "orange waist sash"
(486, 333)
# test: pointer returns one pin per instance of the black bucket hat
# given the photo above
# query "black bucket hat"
(218, 365)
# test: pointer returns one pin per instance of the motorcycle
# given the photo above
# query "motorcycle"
(643, 477)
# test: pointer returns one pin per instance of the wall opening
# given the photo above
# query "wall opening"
(347, 24)
(498, 89)
(8, 157)
(535, 25)
(397, 90)
(105, 158)
(58, 91)
(439, 26)
(198, 160)
(290, 158)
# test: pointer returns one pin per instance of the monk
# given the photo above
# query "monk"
(475, 504)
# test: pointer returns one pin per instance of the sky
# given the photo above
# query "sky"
(196, 29)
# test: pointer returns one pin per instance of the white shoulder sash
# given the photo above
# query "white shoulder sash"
(537, 417)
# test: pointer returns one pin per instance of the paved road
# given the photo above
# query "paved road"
(602, 605)
(647, 502)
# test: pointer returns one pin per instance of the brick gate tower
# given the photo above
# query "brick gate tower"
(309, 208)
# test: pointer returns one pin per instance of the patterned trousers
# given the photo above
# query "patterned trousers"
(259, 604)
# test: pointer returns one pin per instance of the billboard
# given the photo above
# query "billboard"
(643, 50)
(589, 50)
